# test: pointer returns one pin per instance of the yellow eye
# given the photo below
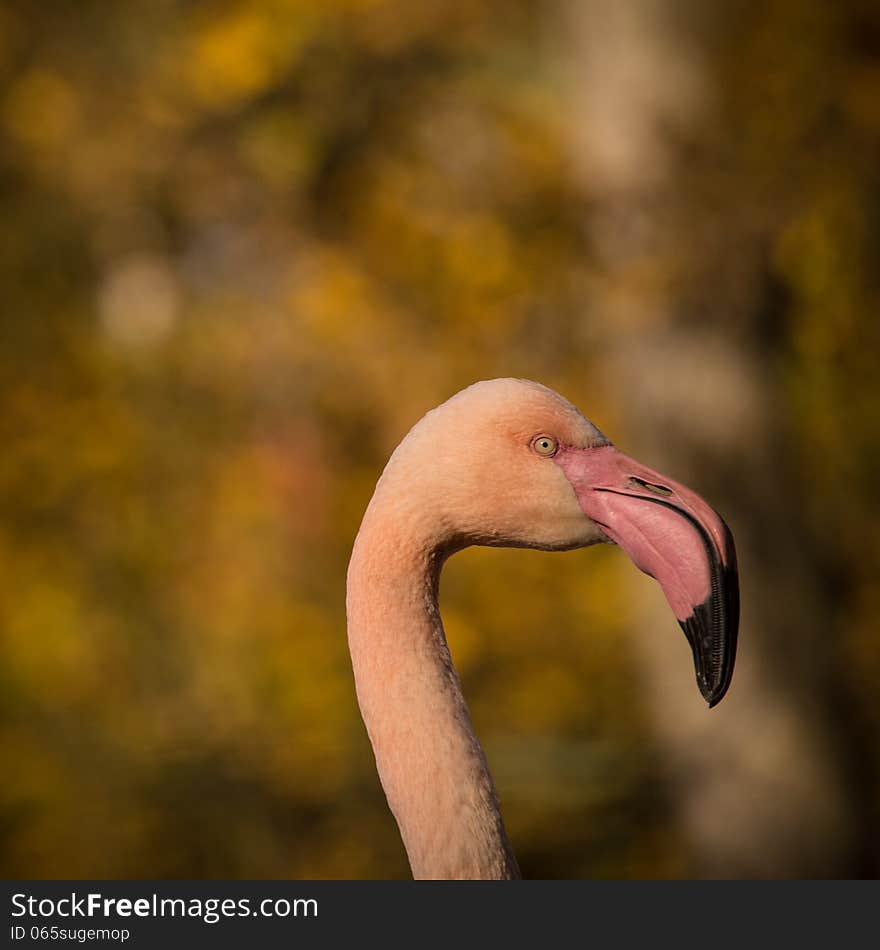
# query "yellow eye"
(545, 445)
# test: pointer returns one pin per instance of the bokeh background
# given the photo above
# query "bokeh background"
(246, 245)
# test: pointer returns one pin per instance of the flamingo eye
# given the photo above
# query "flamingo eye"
(545, 445)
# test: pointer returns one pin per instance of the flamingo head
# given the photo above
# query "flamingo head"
(511, 463)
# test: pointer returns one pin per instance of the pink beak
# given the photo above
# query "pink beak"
(677, 538)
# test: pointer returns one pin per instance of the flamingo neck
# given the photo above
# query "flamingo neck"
(431, 765)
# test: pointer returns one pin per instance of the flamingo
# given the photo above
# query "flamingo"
(507, 463)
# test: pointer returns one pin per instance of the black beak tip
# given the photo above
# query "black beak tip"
(711, 632)
(713, 698)
(714, 690)
(712, 628)
(713, 667)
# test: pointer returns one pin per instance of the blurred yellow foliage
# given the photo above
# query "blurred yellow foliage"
(240, 54)
(42, 110)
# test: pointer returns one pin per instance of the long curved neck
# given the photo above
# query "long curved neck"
(430, 763)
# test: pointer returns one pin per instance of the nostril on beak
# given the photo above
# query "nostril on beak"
(650, 486)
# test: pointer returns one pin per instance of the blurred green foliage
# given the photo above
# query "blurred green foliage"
(244, 246)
